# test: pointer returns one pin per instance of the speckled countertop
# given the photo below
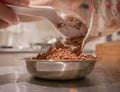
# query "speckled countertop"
(104, 78)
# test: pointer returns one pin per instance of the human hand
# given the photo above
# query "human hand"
(7, 15)
(70, 4)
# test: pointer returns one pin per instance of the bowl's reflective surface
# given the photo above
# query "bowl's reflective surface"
(59, 70)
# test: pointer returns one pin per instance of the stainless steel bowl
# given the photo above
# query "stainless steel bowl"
(59, 70)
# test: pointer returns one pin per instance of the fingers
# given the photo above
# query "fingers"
(68, 4)
(7, 15)
(3, 24)
(40, 2)
(18, 2)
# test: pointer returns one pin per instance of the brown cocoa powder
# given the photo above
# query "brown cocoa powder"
(71, 48)
(65, 52)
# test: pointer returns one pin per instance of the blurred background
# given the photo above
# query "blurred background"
(28, 39)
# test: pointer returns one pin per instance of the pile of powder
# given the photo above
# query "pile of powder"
(64, 51)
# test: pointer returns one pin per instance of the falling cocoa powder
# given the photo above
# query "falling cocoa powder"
(70, 21)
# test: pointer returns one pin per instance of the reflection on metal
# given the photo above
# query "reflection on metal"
(59, 70)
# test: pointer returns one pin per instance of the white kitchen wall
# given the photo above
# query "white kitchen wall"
(25, 33)
(21, 35)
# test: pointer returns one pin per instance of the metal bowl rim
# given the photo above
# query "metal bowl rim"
(64, 61)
